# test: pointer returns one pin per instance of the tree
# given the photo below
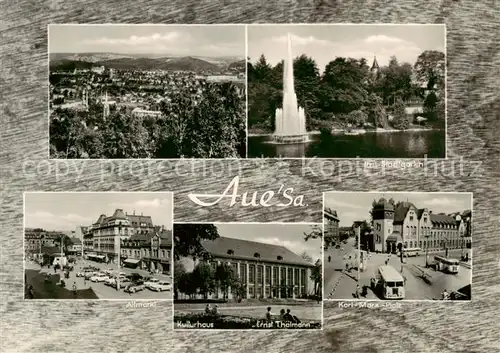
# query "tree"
(357, 118)
(188, 237)
(65, 240)
(179, 278)
(400, 121)
(225, 278)
(317, 277)
(376, 111)
(429, 69)
(203, 278)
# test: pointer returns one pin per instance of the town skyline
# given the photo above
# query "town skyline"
(324, 43)
(360, 203)
(66, 211)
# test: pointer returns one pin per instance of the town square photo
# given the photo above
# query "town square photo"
(408, 245)
(98, 245)
(147, 91)
(346, 90)
(247, 276)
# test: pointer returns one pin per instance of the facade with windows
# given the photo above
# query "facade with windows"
(402, 225)
(264, 270)
(108, 232)
(331, 224)
(151, 252)
(36, 240)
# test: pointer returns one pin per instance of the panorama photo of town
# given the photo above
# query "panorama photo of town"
(98, 245)
(247, 276)
(397, 245)
(147, 91)
(346, 91)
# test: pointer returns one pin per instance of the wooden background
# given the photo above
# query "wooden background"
(473, 130)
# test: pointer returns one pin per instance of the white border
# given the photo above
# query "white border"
(98, 299)
(251, 329)
(246, 88)
(411, 192)
(141, 25)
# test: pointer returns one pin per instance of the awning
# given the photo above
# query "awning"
(132, 261)
(392, 238)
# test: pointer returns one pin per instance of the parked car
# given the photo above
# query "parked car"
(160, 286)
(123, 283)
(90, 274)
(150, 282)
(135, 287)
(99, 278)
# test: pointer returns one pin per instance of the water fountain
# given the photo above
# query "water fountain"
(290, 124)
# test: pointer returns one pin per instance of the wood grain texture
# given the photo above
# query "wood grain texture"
(473, 59)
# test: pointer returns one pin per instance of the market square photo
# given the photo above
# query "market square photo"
(98, 245)
(247, 276)
(346, 90)
(147, 91)
(409, 245)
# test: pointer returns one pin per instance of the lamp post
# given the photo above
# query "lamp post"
(118, 264)
(427, 249)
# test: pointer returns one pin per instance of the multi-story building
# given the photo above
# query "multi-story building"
(265, 270)
(331, 224)
(403, 225)
(35, 240)
(107, 232)
(75, 248)
(151, 251)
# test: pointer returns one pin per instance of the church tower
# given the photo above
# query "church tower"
(105, 113)
(375, 69)
(383, 219)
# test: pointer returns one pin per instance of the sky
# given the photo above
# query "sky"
(325, 42)
(290, 236)
(175, 40)
(66, 211)
(356, 206)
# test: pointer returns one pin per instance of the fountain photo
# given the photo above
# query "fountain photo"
(346, 91)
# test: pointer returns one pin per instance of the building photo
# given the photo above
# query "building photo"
(346, 91)
(247, 276)
(147, 91)
(98, 245)
(410, 245)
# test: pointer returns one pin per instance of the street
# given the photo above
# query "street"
(339, 283)
(414, 271)
(100, 289)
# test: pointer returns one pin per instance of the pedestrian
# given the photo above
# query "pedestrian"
(214, 310)
(329, 258)
(208, 310)
(268, 314)
(74, 288)
(84, 281)
(357, 291)
(445, 295)
(387, 261)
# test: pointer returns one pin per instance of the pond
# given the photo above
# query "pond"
(400, 144)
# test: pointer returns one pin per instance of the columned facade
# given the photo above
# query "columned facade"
(266, 280)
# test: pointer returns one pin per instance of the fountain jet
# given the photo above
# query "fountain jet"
(290, 121)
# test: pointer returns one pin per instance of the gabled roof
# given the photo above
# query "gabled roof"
(245, 250)
(329, 213)
(401, 210)
(119, 214)
(442, 219)
(138, 219)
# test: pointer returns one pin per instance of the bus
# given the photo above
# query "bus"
(446, 265)
(389, 283)
(411, 252)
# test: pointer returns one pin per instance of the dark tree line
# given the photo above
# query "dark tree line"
(348, 92)
(209, 126)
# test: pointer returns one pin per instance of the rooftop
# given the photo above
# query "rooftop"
(247, 250)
